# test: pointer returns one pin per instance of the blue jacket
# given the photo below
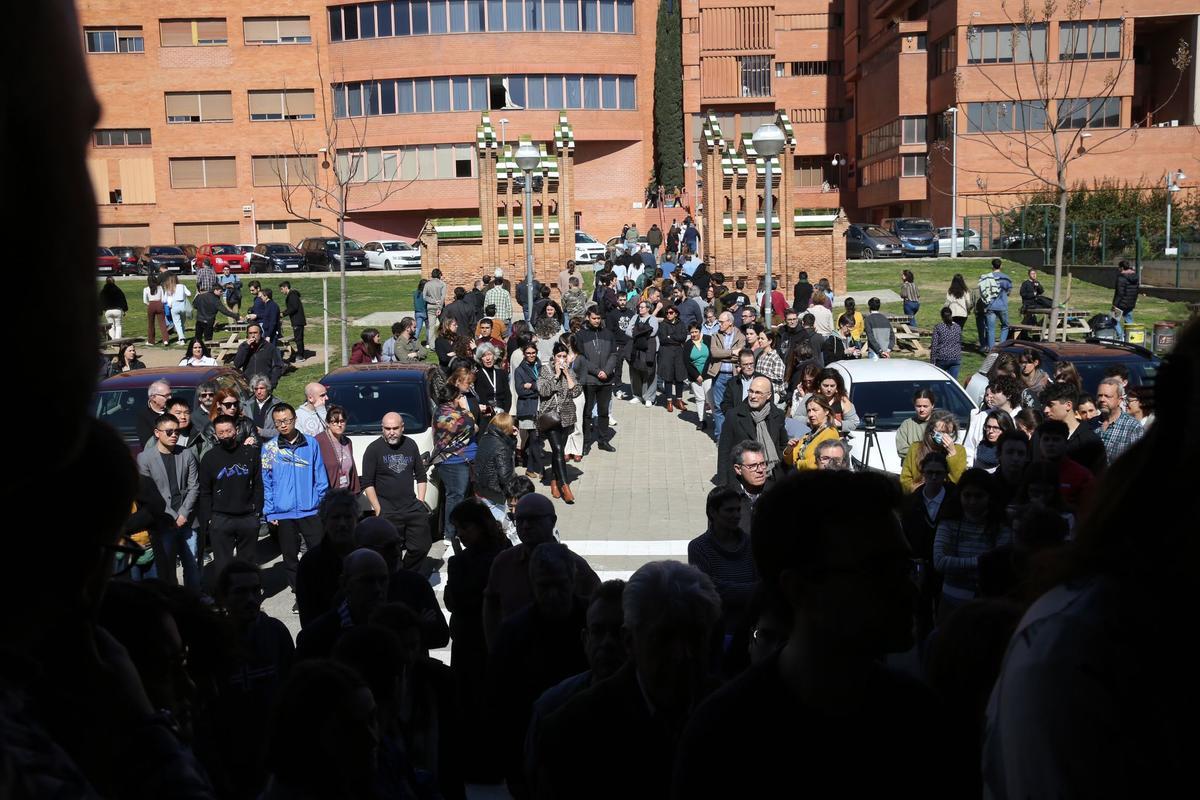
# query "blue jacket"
(1001, 301)
(293, 478)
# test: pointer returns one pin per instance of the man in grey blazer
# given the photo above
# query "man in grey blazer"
(173, 470)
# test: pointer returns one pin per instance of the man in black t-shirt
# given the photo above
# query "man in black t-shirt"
(1083, 445)
(391, 465)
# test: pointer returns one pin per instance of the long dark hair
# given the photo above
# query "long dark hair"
(958, 286)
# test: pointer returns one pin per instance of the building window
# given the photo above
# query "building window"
(756, 75)
(482, 93)
(913, 130)
(434, 17)
(277, 30)
(203, 173)
(114, 40)
(807, 69)
(1005, 117)
(922, 43)
(880, 171)
(407, 163)
(912, 166)
(942, 56)
(1004, 44)
(1089, 112)
(813, 172)
(282, 170)
(183, 107)
(193, 32)
(121, 137)
(1089, 40)
(885, 137)
(282, 104)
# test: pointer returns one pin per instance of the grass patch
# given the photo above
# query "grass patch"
(933, 278)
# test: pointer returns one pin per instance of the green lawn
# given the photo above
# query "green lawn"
(933, 279)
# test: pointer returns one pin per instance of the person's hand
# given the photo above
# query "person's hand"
(274, 523)
(792, 442)
(249, 441)
(886, 354)
(180, 521)
(526, 385)
(602, 375)
(378, 511)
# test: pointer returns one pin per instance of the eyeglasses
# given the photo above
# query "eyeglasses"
(169, 431)
(338, 421)
(228, 403)
(206, 394)
(758, 466)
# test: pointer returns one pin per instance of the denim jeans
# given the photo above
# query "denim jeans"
(1122, 321)
(455, 478)
(992, 316)
(718, 394)
(420, 317)
(949, 366)
(910, 309)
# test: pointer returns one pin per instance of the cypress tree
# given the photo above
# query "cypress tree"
(668, 96)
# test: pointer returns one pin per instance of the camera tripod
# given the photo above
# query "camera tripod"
(871, 444)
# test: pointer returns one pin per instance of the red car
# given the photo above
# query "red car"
(218, 255)
(106, 262)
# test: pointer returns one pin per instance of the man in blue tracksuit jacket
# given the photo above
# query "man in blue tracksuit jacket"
(294, 483)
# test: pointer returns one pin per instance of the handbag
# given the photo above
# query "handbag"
(549, 419)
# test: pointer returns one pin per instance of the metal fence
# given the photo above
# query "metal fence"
(1088, 242)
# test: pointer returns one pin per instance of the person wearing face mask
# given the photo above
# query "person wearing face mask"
(230, 479)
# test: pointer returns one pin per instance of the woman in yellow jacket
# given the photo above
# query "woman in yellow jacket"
(803, 454)
(939, 437)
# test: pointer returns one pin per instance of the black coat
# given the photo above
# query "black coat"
(264, 360)
(494, 464)
(464, 313)
(802, 296)
(1126, 293)
(527, 399)
(642, 354)
(739, 425)
(693, 375)
(671, 338)
(919, 529)
(293, 309)
(111, 296)
(598, 352)
(500, 399)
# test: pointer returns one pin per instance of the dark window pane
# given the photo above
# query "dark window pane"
(533, 15)
(479, 94)
(495, 15)
(354, 105)
(350, 21)
(591, 91)
(554, 92)
(404, 97)
(570, 15)
(371, 98)
(608, 20)
(628, 88)
(461, 88)
(516, 90)
(476, 16)
(512, 15)
(624, 16)
(608, 91)
(437, 16)
(387, 97)
(574, 97)
(441, 94)
(591, 15)
(366, 21)
(420, 17)
(339, 101)
(400, 17)
(535, 94)
(384, 17)
(458, 16)
(552, 10)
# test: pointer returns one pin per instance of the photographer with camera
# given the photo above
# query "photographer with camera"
(392, 465)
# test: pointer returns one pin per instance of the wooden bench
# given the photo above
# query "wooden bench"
(1024, 331)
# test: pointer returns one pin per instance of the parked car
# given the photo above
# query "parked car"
(170, 254)
(587, 249)
(275, 257)
(391, 254)
(610, 249)
(917, 235)
(1091, 358)
(119, 399)
(968, 240)
(219, 256)
(885, 388)
(107, 262)
(368, 391)
(245, 247)
(130, 258)
(871, 241)
(321, 254)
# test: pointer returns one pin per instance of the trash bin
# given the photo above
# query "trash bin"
(1135, 333)
(1164, 337)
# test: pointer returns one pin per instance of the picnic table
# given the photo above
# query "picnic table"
(1071, 322)
(114, 346)
(228, 348)
(909, 338)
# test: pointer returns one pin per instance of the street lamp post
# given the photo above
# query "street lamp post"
(1173, 180)
(528, 158)
(953, 112)
(768, 143)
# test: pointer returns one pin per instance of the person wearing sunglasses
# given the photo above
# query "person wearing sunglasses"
(174, 471)
(226, 401)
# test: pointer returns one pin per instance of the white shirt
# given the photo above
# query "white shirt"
(822, 319)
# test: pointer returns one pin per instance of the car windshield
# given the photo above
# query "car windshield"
(332, 244)
(874, 231)
(226, 250)
(583, 238)
(893, 400)
(281, 249)
(103, 251)
(367, 401)
(1092, 372)
(165, 251)
(914, 225)
(397, 246)
(119, 407)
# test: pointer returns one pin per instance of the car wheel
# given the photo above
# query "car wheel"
(970, 248)
(868, 253)
(387, 265)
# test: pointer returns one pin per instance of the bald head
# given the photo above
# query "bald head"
(363, 561)
(535, 519)
(376, 533)
(157, 395)
(393, 428)
(759, 393)
(316, 394)
(365, 582)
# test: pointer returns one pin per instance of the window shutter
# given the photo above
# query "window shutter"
(183, 105)
(176, 33)
(187, 173)
(220, 172)
(211, 30)
(300, 102)
(265, 103)
(261, 30)
(216, 107)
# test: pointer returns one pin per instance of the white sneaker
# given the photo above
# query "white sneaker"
(635, 400)
(648, 403)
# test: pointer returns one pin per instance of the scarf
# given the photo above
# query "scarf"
(763, 435)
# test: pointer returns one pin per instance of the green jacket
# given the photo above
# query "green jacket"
(908, 434)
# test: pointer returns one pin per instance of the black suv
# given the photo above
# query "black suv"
(321, 254)
(275, 257)
(1091, 358)
(130, 258)
(170, 254)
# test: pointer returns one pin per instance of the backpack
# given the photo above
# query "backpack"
(989, 287)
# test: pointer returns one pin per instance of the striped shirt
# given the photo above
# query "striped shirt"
(1119, 434)
(957, 546)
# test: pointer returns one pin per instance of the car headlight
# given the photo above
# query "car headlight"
(220, 261)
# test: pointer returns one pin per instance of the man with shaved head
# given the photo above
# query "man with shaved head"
(310, 416)
(364, 586)
(394, 482)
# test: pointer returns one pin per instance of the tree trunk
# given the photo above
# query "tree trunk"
(1063, 195)
(342, 267)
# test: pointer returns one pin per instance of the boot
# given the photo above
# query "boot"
(680, 406)
(670, 405)
(567, 495)
(554, 492)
